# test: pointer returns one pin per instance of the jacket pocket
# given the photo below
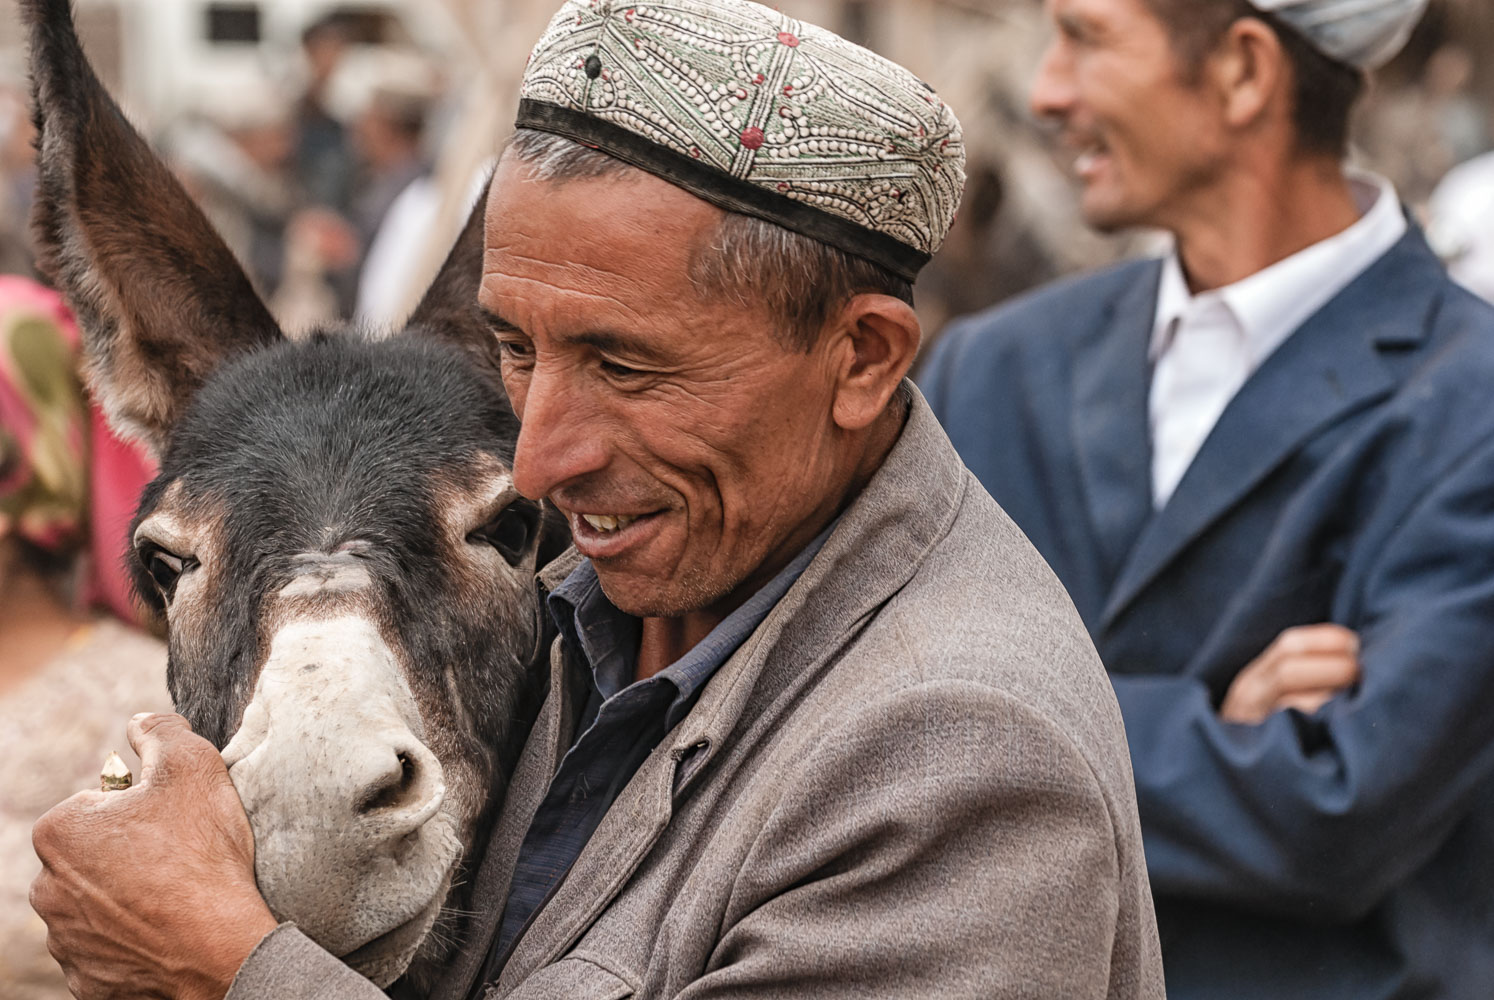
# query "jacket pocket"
(571, 978)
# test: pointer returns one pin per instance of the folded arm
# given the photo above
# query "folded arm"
(1323, 814)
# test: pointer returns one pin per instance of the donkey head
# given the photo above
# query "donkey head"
(334, 540)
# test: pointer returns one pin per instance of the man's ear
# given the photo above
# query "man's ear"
(1249, 68)
(877, 338)
(449, 309)
(160, 299)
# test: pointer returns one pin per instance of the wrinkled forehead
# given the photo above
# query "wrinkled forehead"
(1105, 18)
(629, 236)
(614, 267)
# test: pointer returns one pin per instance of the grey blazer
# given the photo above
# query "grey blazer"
(910, 781)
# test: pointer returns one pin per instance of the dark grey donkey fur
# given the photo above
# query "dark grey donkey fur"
(338, 444)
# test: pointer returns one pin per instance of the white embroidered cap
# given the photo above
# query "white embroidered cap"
(756, 113)
(1363, 33)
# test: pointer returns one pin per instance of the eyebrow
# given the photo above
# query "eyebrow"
(498, 323)
(610, 342)
(623, 344)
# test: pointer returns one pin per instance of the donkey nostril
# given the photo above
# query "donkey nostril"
(393, 788)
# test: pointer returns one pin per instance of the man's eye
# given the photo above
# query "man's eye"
(515, 351)
(622, 371)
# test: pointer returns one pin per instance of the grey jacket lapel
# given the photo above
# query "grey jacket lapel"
(883, 537)
(1112, 439)
(1328, 369)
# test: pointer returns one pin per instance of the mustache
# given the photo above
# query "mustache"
(611, 497)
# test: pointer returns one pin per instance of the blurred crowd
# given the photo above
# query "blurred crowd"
(324, 190)
(330, 187)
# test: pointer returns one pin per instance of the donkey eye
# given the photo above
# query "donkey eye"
(511, 532)
(165, 568)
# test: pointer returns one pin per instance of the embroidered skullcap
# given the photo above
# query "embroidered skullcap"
(1362, 33)
(756, 113)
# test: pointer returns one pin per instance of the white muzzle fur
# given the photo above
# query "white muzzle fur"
(344, 798)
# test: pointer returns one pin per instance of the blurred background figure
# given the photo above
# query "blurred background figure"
(17, 179)
(234, 156)
(387, 135)
(1423, 129)
(74, 666)
(323, 156)
(1460, 223)
(394, 169)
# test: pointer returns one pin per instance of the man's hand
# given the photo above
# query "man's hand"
(150, 891)
(1302, 669)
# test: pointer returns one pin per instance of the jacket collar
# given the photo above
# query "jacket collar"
(1326, 370)
(1108, 418)
(880, 542)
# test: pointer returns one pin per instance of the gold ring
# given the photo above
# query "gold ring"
(115, 777)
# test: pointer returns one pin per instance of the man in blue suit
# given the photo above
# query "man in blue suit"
(1264, 468)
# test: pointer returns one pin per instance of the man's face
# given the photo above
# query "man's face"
(687, 445)
(1146, 137)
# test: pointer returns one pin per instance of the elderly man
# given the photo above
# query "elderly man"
(820, 722)
(1263, 468)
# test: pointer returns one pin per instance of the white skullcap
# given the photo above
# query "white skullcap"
(1362, 33)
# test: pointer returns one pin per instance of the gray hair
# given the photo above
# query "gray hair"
(748, 261)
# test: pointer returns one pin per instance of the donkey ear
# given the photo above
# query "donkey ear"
(449, 309)
(159, 297)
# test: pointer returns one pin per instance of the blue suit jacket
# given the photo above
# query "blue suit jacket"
(1345, 854)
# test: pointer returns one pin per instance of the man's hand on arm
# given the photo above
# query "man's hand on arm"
(151, 891)
(1303, 669)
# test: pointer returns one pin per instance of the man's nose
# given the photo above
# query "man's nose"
(561, 438)
(1053, 92)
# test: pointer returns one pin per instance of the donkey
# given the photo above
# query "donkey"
(334, 540)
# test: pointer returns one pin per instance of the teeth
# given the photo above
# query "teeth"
(606, 522)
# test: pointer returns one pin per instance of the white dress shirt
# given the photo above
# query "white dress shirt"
(1204, 347)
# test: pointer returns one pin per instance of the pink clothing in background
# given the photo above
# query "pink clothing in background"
(120, 470)
(117, 471)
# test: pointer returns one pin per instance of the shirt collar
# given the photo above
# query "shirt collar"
(1272, 303)
(605, 636)
(608, 637)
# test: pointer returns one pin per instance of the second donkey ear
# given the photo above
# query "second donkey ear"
(160, 298)
(449, 309)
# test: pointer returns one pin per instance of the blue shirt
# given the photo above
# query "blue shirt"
(620, 725)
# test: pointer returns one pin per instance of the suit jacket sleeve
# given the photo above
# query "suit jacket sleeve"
(946, 842)
(287, 965)
(1323, 815)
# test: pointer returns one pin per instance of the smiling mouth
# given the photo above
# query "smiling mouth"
(608, 523)
(604, 535)
(1089, 158)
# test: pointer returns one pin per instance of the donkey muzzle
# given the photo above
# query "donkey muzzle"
(343, 796)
